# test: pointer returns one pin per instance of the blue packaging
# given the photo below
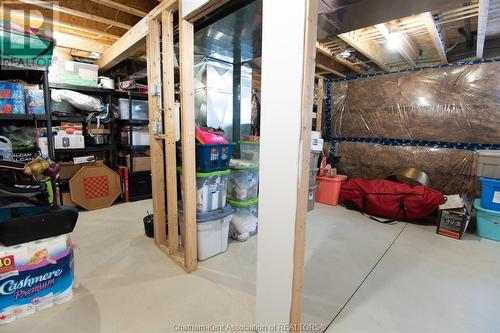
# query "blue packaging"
(35, 276)
(490, 193)
(11, 90)
(12, 106)
(35, 103)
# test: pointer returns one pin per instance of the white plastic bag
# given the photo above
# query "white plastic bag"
(78, 100)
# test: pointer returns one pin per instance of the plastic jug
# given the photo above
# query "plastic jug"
(6, 152)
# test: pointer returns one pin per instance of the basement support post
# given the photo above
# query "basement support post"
(285, 128)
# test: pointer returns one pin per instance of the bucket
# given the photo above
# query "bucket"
(6, 152)
(328, 191)
(149, 229)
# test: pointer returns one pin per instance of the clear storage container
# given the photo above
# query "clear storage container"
(139, 109)
(488, 163)
(244, 222)
(488, 222)
(211, 190)
(249, 150)
(140, 136)
(243, 184)
(212, 231)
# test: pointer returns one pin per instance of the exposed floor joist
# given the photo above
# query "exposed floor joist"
(329, 64)
(435, 36)
(74, 12)
(122, 7)
(132, 39)
(329, 70)
(482, 25)
(368, 48)
(407, 49)
(324, 50)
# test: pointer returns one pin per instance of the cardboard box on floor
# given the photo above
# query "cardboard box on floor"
(141, 163)
(69, 169)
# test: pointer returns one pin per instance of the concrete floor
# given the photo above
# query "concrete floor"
(369, 276)
(416, 280)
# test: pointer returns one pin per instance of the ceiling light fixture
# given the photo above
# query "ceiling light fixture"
(394, 41)
(345, 54)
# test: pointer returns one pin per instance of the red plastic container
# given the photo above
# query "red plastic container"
(328, 191)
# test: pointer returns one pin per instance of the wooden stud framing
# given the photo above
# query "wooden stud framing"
(122, 7)
(303, 179)
(325, 51)
(369, 49)
(407, 50)
(167, 19)
(78, 13)
(133, 39)
(482, 25)
(434, 33)
(155, 116)
(186, 52)
(319, 105)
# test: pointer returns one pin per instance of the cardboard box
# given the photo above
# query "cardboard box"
(140, 163)
(66, 200)
(453, 222)
(62, 141)
(69, 169)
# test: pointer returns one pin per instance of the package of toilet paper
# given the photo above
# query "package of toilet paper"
(35, 276)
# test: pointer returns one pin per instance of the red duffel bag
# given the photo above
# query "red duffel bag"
(390, 199)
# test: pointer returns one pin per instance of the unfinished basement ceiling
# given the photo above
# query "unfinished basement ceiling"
(235, 38)
(431, 33)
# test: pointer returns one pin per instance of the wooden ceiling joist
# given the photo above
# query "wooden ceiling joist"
(74, 12)
(329, 64)
(132, 39)
(325, 50)
(407, 49)
(368, 48)
(122, 7)
(432, 29)
(482, 24)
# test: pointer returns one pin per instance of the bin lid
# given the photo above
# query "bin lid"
(239, 164)
(489, 181)
(337, 178)
(209, 216)
(250, 142)
(207, 174)
(245, 203)
(477, 205)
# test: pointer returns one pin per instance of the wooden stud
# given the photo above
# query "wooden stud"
(168, 55)
(319, 105)
(325, 51)
(156, 147)
(369, 49)
(332, 71)
(482, 25)
(432, 29)
(303, 179)
(122, 7)
(133, 39)
(186, 51)
(78, 13)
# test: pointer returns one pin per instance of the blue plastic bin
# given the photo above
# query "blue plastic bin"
(213, 157)
(488, 222)
(490, 193)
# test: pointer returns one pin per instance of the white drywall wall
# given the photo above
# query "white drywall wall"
(188, 6)
(282, 72)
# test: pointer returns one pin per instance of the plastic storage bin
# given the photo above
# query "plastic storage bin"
(243, 184)
(140, 136)
(249, 150)
(488, 163)
(490, 193)
(488, 222)
(213, 157)
(213, 231)
(244, 222)
(72, 72)
(328, 191)
(211, 190)
(139, 109)
(311, 197)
